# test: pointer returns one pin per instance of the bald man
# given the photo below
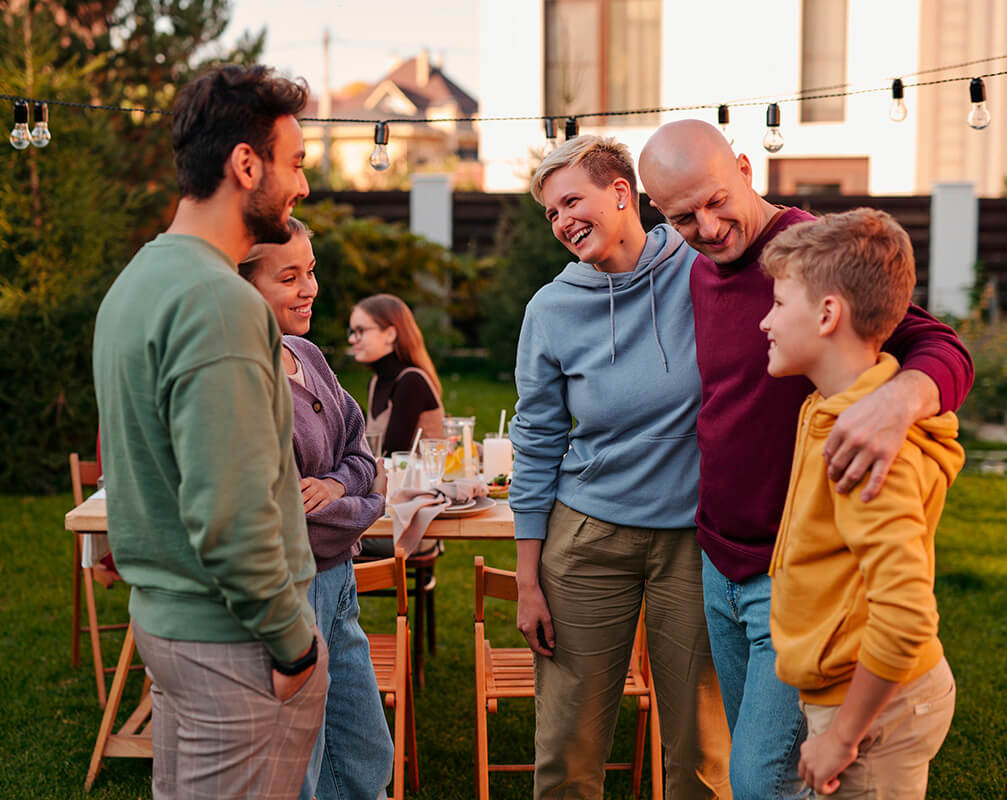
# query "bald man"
(747, 426)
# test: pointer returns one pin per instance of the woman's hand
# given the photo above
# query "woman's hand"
(319, 492)
(380, 485)
(533, 619)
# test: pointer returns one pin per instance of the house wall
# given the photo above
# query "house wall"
(713, 52)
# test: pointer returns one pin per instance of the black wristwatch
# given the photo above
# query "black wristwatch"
(301, 664)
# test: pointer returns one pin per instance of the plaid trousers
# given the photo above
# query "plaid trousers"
(218, 729)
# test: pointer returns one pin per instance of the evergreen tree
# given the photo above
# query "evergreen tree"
(73, 214)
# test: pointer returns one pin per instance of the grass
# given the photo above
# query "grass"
(51, 714)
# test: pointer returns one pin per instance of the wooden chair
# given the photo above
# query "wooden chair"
(506, 672)
(85, 473)
(393, 665)
(134, 738)
(420, 570)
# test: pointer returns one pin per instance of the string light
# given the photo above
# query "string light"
(40, 135)
(897, 111)
(979, 116)
(723, 120)
(379, 155)
(19, 136)
(773, 140)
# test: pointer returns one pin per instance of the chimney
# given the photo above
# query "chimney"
(423, 67)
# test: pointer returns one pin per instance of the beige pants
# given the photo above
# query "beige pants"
(894, 759)
(595, 575)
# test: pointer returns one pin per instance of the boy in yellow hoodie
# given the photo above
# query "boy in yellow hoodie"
(854, 618)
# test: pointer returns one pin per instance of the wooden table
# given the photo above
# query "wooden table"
(133, 738)
(497, 523)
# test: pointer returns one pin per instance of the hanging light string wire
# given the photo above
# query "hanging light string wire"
(820, 94)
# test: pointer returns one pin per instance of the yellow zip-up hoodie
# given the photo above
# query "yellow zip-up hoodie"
(854, 581)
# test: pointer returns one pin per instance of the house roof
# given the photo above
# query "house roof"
(402, 94)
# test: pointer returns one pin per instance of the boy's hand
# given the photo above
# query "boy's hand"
(869, 434)
(823, 758)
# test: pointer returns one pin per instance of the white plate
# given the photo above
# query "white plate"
(462, 506)
(479, 505)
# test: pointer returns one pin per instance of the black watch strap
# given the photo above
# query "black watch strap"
(301, 664)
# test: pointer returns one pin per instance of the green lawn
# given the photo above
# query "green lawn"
(51, 716)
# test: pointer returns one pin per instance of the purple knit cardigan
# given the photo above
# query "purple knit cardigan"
(329, 443)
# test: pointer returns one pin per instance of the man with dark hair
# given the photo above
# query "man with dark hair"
(205, 515)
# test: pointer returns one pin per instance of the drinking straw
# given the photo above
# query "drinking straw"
(503, 415)
(416, 441)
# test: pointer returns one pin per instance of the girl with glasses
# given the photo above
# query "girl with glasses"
(405, 392)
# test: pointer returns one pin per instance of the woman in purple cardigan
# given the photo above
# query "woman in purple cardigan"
(343, 495)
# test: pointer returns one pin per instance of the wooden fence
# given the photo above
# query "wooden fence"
(476, 215)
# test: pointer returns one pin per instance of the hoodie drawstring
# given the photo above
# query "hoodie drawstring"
(653, 316)
(611, 312)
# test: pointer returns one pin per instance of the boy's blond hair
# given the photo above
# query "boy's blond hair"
(863, 255)
(603, 158)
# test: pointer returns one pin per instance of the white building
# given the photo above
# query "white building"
(575, 56)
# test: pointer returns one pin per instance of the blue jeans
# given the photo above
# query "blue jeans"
(763, 713)
(353, 753)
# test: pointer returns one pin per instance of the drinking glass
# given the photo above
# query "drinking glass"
(435, 456)
(375, 440)
(498, 456)
(404, 473)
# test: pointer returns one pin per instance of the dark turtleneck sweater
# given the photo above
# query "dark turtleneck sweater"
(410, 396)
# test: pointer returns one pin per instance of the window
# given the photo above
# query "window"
(823, 58)
(602, 55)
(789, 176)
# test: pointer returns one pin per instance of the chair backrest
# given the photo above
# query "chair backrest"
(82, 473)
(490, 582)
(388, 573)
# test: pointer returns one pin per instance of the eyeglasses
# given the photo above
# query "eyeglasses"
(360, 331)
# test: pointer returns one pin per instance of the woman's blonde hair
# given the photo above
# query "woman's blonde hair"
(603, 158)
(388, 310)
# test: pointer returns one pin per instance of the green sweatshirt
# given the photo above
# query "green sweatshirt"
(205, 516)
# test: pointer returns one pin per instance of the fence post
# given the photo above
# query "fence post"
(430, 207)
(954, 238)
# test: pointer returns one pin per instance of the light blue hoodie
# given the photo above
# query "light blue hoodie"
(616, 353)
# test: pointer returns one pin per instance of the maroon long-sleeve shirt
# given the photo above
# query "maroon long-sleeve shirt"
(748, 420)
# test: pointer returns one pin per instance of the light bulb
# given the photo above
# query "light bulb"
(979, 116)
(19, 137)
(379, 159)
(723, 120)
(897, 111)
(40, 135)
(773, 140)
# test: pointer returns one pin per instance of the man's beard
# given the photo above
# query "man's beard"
(263, 215)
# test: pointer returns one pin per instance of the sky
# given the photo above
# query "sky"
(366, 36)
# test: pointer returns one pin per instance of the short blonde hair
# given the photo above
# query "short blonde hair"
(864, 255)
(603, 158)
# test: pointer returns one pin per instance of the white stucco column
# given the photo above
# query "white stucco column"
(430, 207)
(954, 234)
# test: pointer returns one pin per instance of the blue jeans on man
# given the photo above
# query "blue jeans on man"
(352, 757)
(763, 714)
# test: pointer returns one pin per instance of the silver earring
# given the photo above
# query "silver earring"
(622, 206)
